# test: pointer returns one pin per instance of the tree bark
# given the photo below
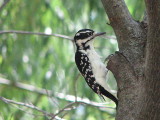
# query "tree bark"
(136, 66)
(152, 63)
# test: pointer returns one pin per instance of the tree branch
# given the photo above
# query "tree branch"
(36, 33)
(70, 105)
(153, 8)
(45, 34)
(74, 101)
(129, 86)
(62, 96)
(121, 68)
(151, 94)
(8, 101)
(23, 104)
(127, 30)
(118, 14)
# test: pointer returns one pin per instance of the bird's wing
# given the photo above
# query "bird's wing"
(85, 68)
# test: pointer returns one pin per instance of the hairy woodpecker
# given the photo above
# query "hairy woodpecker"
(89, 63)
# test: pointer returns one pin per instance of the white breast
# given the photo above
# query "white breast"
(99, 69)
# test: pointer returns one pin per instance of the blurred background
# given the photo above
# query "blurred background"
(40, 70)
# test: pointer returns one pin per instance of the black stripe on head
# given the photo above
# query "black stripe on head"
(83, 33)
(84, 30)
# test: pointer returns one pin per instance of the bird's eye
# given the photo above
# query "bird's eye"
(89, 34)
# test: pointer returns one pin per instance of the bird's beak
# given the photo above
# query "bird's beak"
(98, 34)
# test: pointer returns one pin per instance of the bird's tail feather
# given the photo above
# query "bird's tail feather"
(109, 95)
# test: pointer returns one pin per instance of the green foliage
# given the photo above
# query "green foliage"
(136, 8)
(48, 62)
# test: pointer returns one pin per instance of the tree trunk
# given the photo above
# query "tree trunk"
(136, 66)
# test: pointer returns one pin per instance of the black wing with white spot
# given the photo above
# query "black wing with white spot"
(84, 66)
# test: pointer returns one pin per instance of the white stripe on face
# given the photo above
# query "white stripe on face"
(85, 31)
(79, 33)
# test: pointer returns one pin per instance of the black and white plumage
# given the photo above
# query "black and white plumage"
(90, 64)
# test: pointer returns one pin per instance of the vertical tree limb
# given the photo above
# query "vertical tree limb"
(117, 12)
(139, 74)
(152, 63)
(131, 35)
(119, 16)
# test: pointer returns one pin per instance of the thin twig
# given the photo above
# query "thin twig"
(70, 98)
(23, 110)
(46, 34)
(52, 99)
(108, 37)
(23, 104)
(62, 110)
(36, 33)
(7, 101)
(70, 105)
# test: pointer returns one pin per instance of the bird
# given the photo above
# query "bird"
(90, 65)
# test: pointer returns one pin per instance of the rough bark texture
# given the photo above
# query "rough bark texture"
(152, 63)
(136, 66)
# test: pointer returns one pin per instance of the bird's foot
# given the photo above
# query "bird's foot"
(107, 58)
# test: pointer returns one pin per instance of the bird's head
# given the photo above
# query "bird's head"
(84, 38)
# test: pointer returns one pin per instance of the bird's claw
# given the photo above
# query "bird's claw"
(107, 58)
